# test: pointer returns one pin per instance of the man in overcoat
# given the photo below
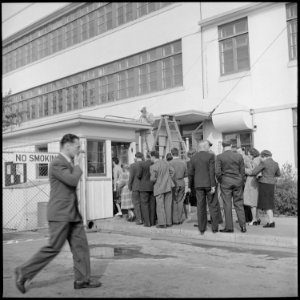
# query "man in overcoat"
(230, 172)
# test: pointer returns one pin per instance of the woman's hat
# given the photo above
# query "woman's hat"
(265, 153)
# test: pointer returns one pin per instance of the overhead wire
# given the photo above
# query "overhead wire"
(18, 12)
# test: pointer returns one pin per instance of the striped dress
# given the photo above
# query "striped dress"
(126, 195)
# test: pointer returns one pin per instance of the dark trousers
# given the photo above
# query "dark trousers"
(202, 194)
(136, 200)
(232, 189)
(178, 215)
(148, 207)
(59, 232)
(216, 200)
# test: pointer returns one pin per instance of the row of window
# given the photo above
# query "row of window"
(152, 76)
(86, 22)
(234, 42)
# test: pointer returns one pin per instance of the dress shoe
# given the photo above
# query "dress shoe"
(195, 225)
(214, 231)
(226, 230)
(258, 222)
(243, 229)
(169, 225)
(138, 222)
(202, 232)
(147, 225)
(161, 226)
(269, 225)
(86, 284)
(20, 280)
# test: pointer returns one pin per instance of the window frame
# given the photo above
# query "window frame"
(92, 175)
(291, 20)
(233, 38)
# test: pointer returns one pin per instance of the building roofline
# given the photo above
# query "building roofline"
(50, 18)
(235, 13)
(74, 120)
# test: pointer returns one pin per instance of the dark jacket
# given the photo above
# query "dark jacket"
(202, 168)
(146, 185)
(270, 170)
(134, 181)
(63, 202)
(180, 171)
(230, 164)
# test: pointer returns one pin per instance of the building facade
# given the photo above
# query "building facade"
(228, 70)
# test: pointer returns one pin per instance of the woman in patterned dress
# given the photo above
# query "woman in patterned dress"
(126, 195)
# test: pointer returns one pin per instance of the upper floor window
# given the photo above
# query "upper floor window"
(234, 47)
(291, 18)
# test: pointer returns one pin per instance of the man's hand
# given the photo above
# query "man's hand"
(213, 189)
(188, 190)
(78, 158)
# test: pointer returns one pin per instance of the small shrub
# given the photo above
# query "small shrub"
(286, 198)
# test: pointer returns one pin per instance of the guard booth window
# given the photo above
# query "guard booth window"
(42, 169)
(96, 163)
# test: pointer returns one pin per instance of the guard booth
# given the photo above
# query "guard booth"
(100, 139)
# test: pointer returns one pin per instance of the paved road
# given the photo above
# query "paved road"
(137, 266)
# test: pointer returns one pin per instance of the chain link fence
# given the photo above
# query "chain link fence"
(25, 190)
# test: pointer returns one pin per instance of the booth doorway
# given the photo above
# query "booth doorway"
(120, 150)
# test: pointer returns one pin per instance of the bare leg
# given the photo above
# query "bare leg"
(270, 215)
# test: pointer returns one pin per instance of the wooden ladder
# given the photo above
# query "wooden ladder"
(168, 136)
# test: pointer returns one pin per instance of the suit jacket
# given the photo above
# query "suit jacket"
(270, 170)
(63, 202)
(143, 174)
(180, 171)
(230, 164)
(161, 174)
(134, 181)
(202, 168)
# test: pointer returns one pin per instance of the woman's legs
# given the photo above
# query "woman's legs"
(254, 214)
(270, 215)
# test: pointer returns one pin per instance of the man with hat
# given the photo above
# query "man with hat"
(230, 171)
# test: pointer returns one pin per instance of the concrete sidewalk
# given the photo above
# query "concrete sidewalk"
(284, 235)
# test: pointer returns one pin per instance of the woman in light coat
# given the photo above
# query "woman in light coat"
(251, 185)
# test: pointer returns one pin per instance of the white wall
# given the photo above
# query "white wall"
(211, 9)
(271, 80)
(275, 133)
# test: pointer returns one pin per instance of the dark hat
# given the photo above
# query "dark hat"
(265, 153)
(209, 142)
(226, 143)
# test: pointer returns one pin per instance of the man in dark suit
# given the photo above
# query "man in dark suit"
(180, 173)
(65, 221)
(161, 174)
(230, 172)
(146, 193)
(203, 171)
(134, 186)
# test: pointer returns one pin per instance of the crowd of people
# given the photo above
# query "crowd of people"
(154, 191)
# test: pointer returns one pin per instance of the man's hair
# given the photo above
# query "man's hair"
(115, 160)
(155, 154)
(68, 138)
(175, 151)
(254, 152)
(169, 157)
(139, 155)
(191, 152)
(148, 156)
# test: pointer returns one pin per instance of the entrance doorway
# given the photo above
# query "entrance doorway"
(120, 150)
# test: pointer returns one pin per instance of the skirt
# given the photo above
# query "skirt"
(266, 193)
(126, 198)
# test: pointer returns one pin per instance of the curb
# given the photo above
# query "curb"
(235, 238)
